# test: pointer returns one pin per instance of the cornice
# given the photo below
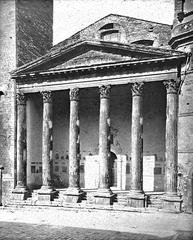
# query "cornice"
(112, 67)
(52, 55)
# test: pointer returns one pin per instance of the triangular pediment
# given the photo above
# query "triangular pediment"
(93, 57)
(89, 53)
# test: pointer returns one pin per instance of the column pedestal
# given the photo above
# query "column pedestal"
(104, 194)
(171, 201)
(136, 197)
(46, 192)
(73, 194)
(104, 197)
(21, 192)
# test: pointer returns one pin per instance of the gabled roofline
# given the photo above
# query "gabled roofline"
(125, 47)
(111, 14)
(180, 58)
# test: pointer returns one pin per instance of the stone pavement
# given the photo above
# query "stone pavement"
(62, 223)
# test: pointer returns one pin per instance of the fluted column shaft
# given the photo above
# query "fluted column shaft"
(104, 128)
(47, 140)
(74, 176)
(21, 141)
(136, 139)
(171, 137)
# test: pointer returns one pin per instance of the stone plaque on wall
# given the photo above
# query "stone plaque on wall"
(148, 172)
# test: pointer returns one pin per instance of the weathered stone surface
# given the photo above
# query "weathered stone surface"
(136, 139)
(171, 137)
(34, 20)
(47, 139)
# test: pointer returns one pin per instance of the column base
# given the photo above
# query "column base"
(172, 202)
(45, 194)
(104, 197)
(136, 199)
(20, 194)
(72, 195)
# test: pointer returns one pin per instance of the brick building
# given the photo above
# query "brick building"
(102, 116)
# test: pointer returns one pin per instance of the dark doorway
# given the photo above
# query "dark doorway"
(113, 170)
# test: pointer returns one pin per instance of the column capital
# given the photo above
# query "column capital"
(171, 86)
(137, 88)
(105, 91)
(21, 99)
(74, 94)
(47, 96)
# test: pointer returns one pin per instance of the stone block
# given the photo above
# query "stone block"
(71, 196)
(19, 195)
(172, 203)
(104, 197)
(102, 200)
(136, 200)
(45, 195)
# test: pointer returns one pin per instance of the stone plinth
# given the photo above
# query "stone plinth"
(104, 197)
(136, 200)
(71, 195)
(45, 194)
(20, 194)
(172, 203)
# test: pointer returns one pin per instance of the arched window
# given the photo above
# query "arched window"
(110, 32)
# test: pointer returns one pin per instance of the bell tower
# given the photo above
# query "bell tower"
(182, 31)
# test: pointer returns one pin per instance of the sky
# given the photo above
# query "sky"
(70, 16)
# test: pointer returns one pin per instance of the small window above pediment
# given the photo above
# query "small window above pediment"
(112, 32)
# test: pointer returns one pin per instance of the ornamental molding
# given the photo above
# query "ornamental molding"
(105, 91)
(171, 86)
(74, 94)
(21, 99)
(137, 89)
(47, 96)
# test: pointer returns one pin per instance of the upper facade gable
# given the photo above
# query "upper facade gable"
(87, 53)
(93, 57)
(113, 38)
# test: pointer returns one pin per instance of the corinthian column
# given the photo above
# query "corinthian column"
(104, 194)
(20, 192)
(73, 194)
(74, 176)
(136, 197)
(171, 140)
(46, 191)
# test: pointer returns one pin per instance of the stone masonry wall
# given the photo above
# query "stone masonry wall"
(34, 29)
(185, 147)
(25, 34)
(7, 106)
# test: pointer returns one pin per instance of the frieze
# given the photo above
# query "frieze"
(105, 91)
(137, 89)
(47, 96)
(74, 94)
(171, 86)
(21, 98)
